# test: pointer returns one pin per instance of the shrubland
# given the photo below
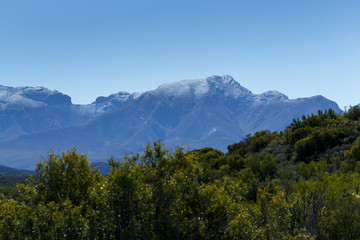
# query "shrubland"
(300, 183)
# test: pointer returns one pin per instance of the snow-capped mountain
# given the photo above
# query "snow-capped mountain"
(31, 97)
(112, 102)
(197, 88)
(27, 110)
(214, 111)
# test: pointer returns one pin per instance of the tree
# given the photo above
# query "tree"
(354, 153)
(353, 113)
(68, 176)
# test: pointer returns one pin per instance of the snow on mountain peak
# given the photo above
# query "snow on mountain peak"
(201, 86)
(228, 86)
(32, 96)
(40, 94)
(197, 87)
(119, 97)
(271, 96)
(136, 95)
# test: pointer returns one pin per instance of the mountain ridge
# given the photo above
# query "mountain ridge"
(214, 111)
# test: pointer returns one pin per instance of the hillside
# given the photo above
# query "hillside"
(11, 176)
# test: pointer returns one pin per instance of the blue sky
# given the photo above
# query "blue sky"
(90, 48)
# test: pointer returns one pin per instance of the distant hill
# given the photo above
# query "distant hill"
(13, 171)
(102, 166)
(214, 111)
(11, 176)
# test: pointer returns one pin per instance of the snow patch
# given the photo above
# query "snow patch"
(119, 97)
(271, 97)
(27, 96)
(202, 86)
(136, 95)
(195, 87)
(20, 100)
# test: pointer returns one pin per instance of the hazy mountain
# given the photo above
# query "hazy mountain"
(215, 111)
(14, 171)
(29, 110)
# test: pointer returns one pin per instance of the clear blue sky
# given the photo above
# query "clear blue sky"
(87, 48)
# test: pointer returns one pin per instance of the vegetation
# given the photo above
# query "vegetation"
(9, 177)
(302, 183)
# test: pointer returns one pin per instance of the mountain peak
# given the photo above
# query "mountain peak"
(116, 97)
(33, 96)
(228, 86)
(271, 96)
(225, 79)
(203, 86)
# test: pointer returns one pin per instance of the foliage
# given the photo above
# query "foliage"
(354, 153)
(302, 183)
(353, 113)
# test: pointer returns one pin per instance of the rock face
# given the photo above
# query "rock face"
(214, 111)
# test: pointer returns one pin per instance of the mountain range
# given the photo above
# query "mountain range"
(214, 111)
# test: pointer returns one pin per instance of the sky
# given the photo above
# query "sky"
(88, 48)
